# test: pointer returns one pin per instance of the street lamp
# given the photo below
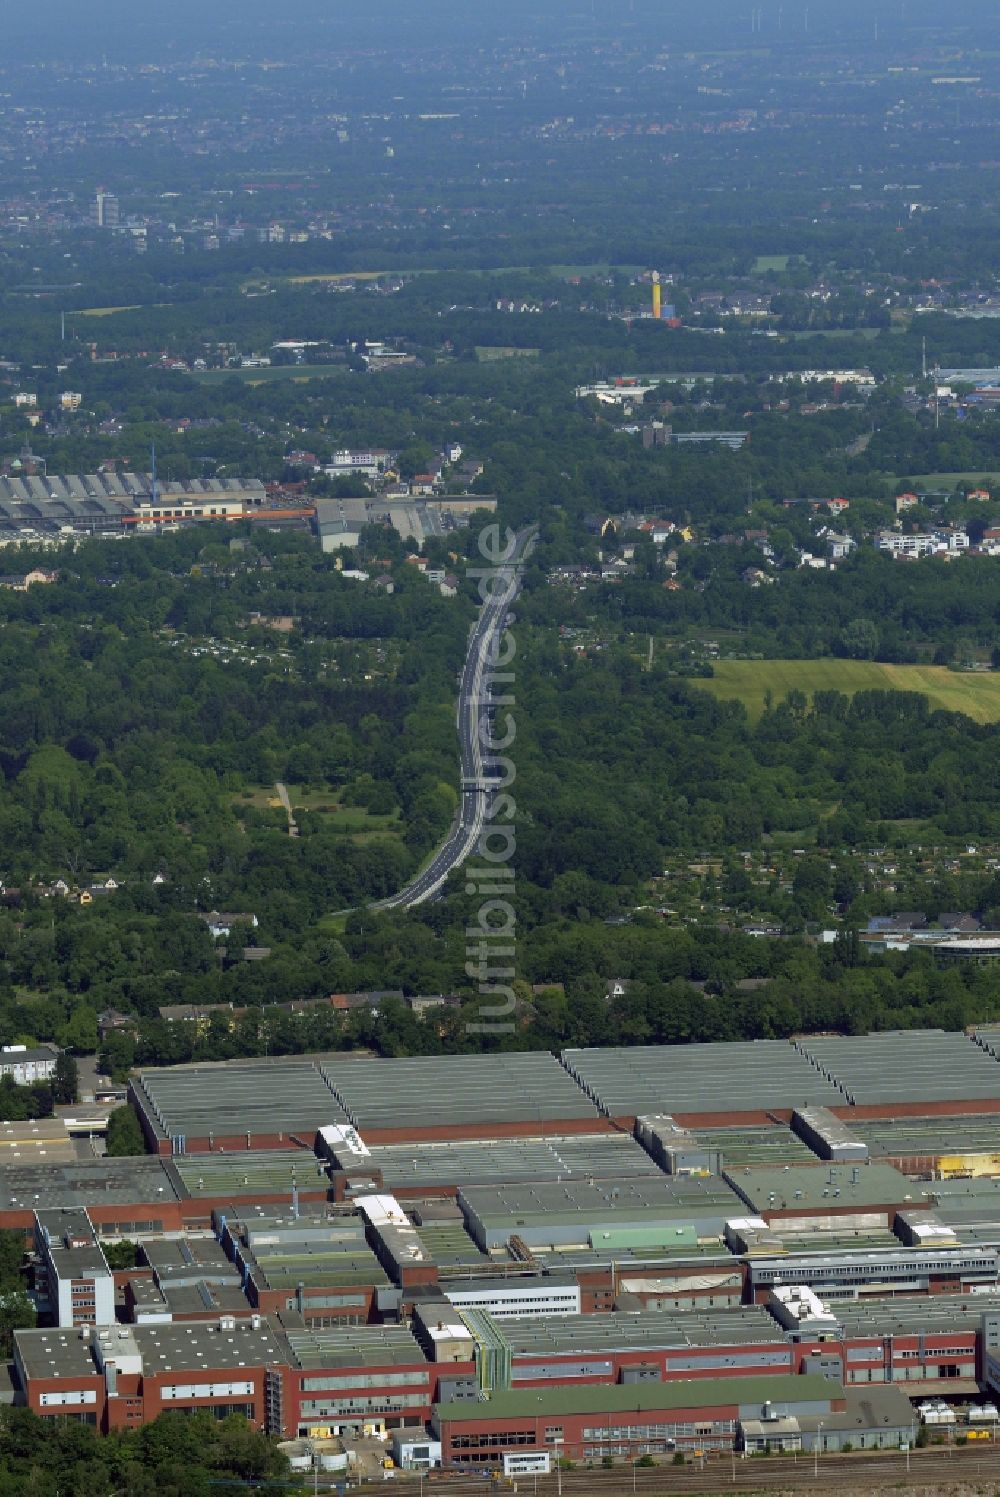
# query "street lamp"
(819, 1437)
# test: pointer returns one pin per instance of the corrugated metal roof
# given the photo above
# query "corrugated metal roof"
(744, 1076)
(927, 1065)
(449, 1090)
(234, 1097)
(600, 1156)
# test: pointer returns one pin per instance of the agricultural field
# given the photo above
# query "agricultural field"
(748, 681)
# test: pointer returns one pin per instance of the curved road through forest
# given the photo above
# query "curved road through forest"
(471, 817)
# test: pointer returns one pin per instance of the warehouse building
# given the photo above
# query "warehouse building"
(698, 1085)
(602, 1216)
(898, 1270)
(419, 1168)
(957, 1145)
(459, 1096)
(323, 1269)
(57, 505)
(589, 1422)
(916, 1073)
(234, 1105)
(825, 1191)
(623, 1347)
(121, 1376)
(183, 1278)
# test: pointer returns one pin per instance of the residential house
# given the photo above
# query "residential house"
(838, 546)
(113, 1019)
(220, 923)
(25, 1064)
(349, 1001)
(20, 584)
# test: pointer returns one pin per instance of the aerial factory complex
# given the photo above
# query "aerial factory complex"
(498, 1261)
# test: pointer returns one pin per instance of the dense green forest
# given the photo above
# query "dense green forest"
(178, 1455)
(128, 755)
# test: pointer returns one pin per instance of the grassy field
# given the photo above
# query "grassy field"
(747, 681)
(298, 373)
(950, 480)
(487, 354)
(107, 311)
(354, 821)
(340, 275)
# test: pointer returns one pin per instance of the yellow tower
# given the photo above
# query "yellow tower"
(656, 294)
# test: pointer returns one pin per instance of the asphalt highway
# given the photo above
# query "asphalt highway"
(475, 793)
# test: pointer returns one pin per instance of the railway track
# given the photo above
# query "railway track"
(942, 1466)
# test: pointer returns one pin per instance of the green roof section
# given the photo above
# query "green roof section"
(690, 1393)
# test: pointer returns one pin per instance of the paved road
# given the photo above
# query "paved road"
(286, 804)
(475, 796)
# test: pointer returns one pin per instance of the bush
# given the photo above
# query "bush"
(124, 1134)
(678, 1459)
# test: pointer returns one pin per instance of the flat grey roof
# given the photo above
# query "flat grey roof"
(828, 1186)
(217, 1297)
(179, 1259)
(450, 1090)
(188, 1346)
(912, 1066)
(176, 1348)
(226, 1098)
(970, 1207)
(55, 1353)
(934, 1314)
(538, 1336)
(601, 1156)
(87, 1182)
(745, 1076)
(354, 1346)
(649, 1259)
(675, 1198)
